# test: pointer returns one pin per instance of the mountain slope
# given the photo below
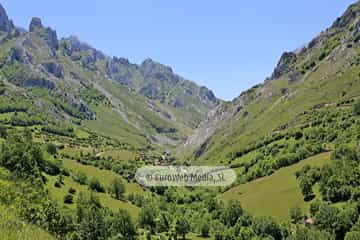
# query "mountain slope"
(73, 82)
(324, 72)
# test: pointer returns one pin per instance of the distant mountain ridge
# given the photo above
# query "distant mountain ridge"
(152, 101)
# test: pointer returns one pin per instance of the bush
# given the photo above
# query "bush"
(51, 148)
(21, 156)
(80, 178)
(298, 135)
(117, 188)
(61, 130)
(57, 184)
(96, 185)
(68, 199)
(356, 108)
(3, 132)
(72, 190)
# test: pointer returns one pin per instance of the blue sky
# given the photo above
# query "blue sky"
(227, 45)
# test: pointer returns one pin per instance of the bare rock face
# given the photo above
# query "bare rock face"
(6, 25)
(207, 95)
(53, 68)
(35, 24)
(153, 70)
(80, 51)
(47, 33)
(284, 64)
(39, 82)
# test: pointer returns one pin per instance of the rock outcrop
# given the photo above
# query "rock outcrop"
(53, 68)
(283, 65)
(6, 24)
(47, 33)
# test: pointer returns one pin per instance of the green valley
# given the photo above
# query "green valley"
(77, 124)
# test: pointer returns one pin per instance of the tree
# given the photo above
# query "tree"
(51, 148)
(68, 199)
(21, 156)
(163, 222)
(265, 226)
(122, 226)
(96, 185)
(346, 219)
(246, 233)
(356, 108)
(218, 230)
(314, 207)
(117, 187)
(326, 217)
(80, 177)
(72, 190)
(3, 132)
(306, 188)
(303, 233)
(298, 135)
(352, 236)
(182, 226)
(90, 217)
(147, 218)
(204, 227)
(296, 215)
(232, 213)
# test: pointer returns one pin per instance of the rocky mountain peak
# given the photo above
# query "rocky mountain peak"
(47, 33)
(350, 14)
(152, 69)
(6, 25)
(35, 24)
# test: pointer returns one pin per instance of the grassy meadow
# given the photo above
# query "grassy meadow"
(275, 195)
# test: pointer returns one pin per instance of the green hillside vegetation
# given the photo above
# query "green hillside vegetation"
(13, 228)
(105, 176)
(275, 195)
(302, 81)
(59, 193)
(75, 125)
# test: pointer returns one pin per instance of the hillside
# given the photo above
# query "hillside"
(70, 81)
(76, 125)
(275, 195)
(324, 72)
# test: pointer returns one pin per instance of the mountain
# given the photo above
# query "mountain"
(73, 82)
(324, 72)
(76, 125)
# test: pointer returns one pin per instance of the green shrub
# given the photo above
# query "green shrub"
(96, 185)
(72, 191)
(356, 108)
(80, 177)
(57, 184)
(51, 148)
(68, 199)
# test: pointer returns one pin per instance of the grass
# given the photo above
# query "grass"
(6, 116)
(81, 133)
(12, 228)
(121, 154)
(108, 201)
(330, 82)
(104, 176)
(275, 195)
(109, 123)
(76, 152)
